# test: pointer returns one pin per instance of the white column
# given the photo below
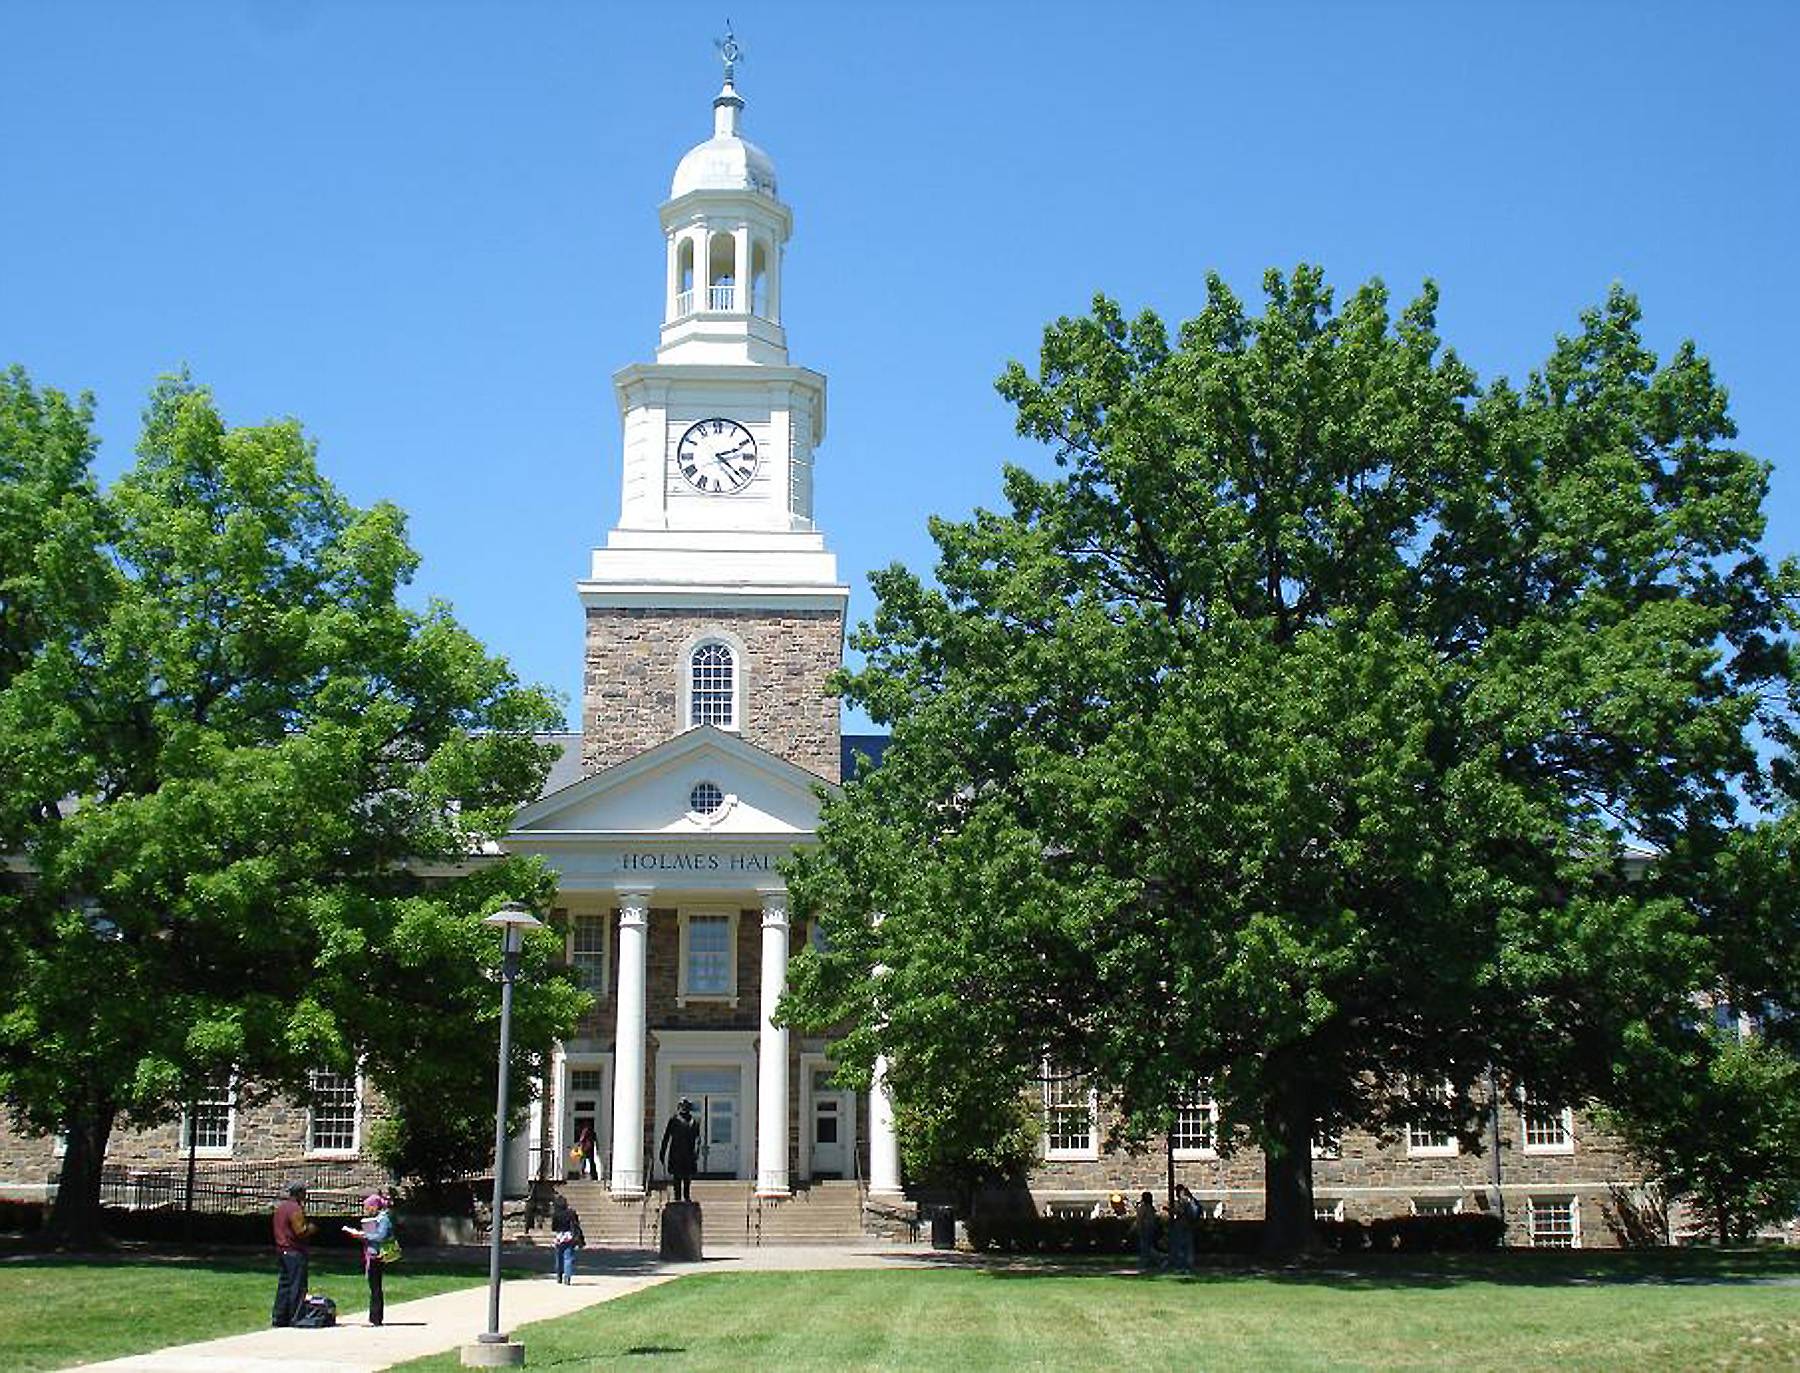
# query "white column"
(884, 1144)
(772, 1055)
(628, 1048)
(742, 245)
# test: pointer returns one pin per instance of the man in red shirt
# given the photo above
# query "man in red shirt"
(291, 1232)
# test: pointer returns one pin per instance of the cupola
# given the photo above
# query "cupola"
(725, 230)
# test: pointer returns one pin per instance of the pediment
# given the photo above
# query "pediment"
(651, 794)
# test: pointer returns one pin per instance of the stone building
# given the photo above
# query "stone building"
(714, 618)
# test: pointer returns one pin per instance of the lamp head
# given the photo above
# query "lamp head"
(513, 919)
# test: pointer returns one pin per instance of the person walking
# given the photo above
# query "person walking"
(376, 1230)
(292, 1254)
(567, 1227)
(589, 1149)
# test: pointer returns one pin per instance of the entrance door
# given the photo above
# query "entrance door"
(582, 1108)
(715, 1094)
(831, 1127)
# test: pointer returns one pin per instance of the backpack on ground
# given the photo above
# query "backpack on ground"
(316, 1313)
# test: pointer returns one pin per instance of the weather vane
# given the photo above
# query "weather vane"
(729, 51)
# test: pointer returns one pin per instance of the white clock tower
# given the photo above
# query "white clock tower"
(715, 600)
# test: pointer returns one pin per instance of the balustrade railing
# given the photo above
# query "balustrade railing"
(723, 299)
(238, 1187)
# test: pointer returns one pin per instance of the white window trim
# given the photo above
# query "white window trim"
(1332, 1212)
(730, 997)
(1091, 1151)
(1567, 1146)
(1450, 1150)
(356, 1128)
(685, 678)
(1329, 1148)
(606, 919)
(1456, 1205)
(213, 1150)
(1557, 1198)
(1207, 1152)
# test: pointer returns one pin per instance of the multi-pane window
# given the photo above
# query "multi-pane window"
(584, 1080)
(712, 687)
(331, 1124)
(1555, 1223)
(1426, 1138)
(1328, 1208)
(709, 955)
(1548, 1129)
(1196, 1123)
(206, 1124)
(587, 952)
(1068, 1114)
(1327, 1143)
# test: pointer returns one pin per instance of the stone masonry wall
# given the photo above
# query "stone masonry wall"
(1373, 1177)
(271, 1131)
(631, 682)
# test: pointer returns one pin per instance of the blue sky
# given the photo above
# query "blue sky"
(429, 230)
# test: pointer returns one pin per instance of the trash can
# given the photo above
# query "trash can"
(943, 1228)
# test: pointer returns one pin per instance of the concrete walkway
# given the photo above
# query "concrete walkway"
(430, 1325)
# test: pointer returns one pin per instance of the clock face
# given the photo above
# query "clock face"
(717, 457)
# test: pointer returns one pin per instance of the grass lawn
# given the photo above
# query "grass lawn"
(1501, 1314)
(55, 1312)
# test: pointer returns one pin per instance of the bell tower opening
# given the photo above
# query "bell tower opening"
(721, 273)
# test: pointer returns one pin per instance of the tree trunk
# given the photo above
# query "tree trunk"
(75, 1215)
(1288, 1225)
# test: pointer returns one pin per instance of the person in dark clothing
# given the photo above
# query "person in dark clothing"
(567, 1227)
(1183, 1216)
(589, 1149)
(292, 1253)
(680, 1149)
(376, 1230)
(1146, 1228)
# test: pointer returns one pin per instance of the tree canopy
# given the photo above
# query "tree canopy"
(246, 789)
(1298, 734)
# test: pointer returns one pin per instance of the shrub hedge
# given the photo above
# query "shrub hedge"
(1020, 1234)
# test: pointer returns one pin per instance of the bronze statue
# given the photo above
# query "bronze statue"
(680, 1150)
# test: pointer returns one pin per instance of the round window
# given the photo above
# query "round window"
(705, 798)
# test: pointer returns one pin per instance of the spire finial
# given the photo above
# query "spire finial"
(730, 53)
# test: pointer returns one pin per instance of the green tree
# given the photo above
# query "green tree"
(1719, 1125)
(1291, 736)
(252, 789)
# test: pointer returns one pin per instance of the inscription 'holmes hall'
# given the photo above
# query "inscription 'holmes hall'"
(697, 862)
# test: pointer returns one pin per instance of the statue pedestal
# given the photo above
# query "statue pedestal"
(681, 1231)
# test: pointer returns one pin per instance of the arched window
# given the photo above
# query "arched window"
(712, 686)
(721, 273)
(684, 277)
(759, 279)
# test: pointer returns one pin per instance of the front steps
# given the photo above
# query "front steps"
(822, 1213)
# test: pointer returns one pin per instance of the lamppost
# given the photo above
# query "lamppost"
(492, 1349)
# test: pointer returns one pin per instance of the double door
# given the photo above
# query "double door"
(717, 1095)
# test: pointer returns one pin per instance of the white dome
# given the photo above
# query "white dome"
(726, 161)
